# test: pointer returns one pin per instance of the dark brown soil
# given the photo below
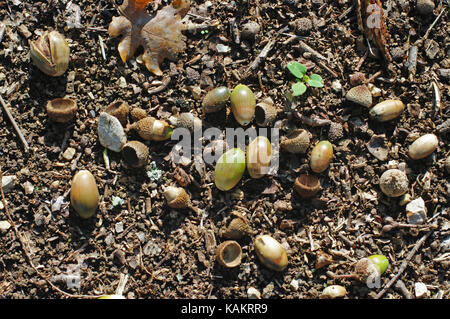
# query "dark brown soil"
(169, 253)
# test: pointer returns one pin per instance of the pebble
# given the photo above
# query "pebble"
(122, 82)
(118, 227)
(420, 290)
(336, 86)
(8, 182)
(110, 132)
(54, 185)
(294, 284)
(416, 212)
(253, 293)
(4, 225)
(28, 187)
(69, 153)
(445, 244)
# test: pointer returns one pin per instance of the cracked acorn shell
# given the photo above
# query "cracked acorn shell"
(84, 194)
(216, 99)
(307, 185)
(229, 169)
(271, 253)
(296, 141)
(423, 146)
(229, 254)
(243, 104)
(151, 129)
(177, 197)
(265, 112)
(61, 110)
(51, 53)
(258, 157)
(387, 110)
(135, 153)
(120, 110)
(321, 156)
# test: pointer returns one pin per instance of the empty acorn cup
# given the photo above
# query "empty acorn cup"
(120, 110)
(61, 110)
(307, 185)
(296, 141)
(135, 153)
(229, 254)
(265, 112)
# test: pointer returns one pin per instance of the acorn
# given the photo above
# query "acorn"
(135, 153)
(333, 291)
(84, 194)
(216, 99)
(137, 114)
(372, 266)
(229, 254)
(360, 95)
(307, 185)
(120, 110)
(265, 112)
(394, 183)
(258, 156)
(271, 253)
(243, 104)
(237, 228)
(151, 129)
(296, 141)
(186, 120)
(423, 146)
(229, 169)
(321, 156)
(387, 110)
(61, 110)
(177, 197)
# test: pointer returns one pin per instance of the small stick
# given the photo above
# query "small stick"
(261, 56)
(102, 47)
(373, 77)
(412, 61)
(345, 13)
(404, 264)
(431, 26)
(16, 127)
(324, 66)
(314, 53)
(2, 31)
(400, 285)
(361, 61)
(313, 121)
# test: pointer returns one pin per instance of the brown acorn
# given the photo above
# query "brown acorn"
(321, 156)
(151, 129)
(84, 194)
(229, 254)
(216, 99)
(307, 185)
(135, 153)
(120, 110)
(296, 141)
(61, 110)
(177, 197)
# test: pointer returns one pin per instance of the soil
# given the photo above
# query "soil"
(170, 253)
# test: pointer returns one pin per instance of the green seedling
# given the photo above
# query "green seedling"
(299, 71)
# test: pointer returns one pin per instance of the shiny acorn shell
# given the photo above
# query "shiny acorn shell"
(84, 194)
(333, 291)
(61, 110)
(295, 142)
(177, 197)
(135, 153)
(229, 254)
(51, 53)
(321, 156)
(243, 104)
(237, 228)
(216, 99)
(120, 110)
(265, 112)
(151, 129)
(258, 157)
(307, 185)
(271, 253)
(387, 110)
(423, 146)
(229, 169)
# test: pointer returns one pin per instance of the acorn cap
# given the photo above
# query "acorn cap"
(265, 112)
(137, 114)
(237, 228)
(229, 254)
(120, 110)
(296, 141)
(307, 185)
(177, 197)
(135, 153)
(360, 95)
(151, 129)
(61, 110)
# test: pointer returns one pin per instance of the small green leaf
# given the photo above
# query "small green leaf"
(305, 78)
(315, 80)
(316, 77)
(297, 69)
(298, 89)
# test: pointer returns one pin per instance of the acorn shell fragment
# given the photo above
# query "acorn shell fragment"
(61, 110)
(423, 146)
(360, 95)
(229, 254)
(84, 195)
(237, 228)
(265, 112)
(271, 253)
(120, 110)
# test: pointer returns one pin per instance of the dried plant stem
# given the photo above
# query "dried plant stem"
(311, 121)
(27, 255)
(13, 122)
(261, 56)
(404, 264)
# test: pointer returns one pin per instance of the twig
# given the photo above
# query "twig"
(28, 257)
(261, 56)
(2, 31)
(13, 122)
(400, 285)
(412, 61)
(373, 77)
(431, 27)
(102, 47)
(311, 121)
(314, 53)
(404, 264)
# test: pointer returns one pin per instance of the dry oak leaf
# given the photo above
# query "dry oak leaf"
(371, 21)
(160, 35)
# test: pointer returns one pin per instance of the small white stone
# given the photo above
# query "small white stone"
(416, 212)
(420, 289)
(336, 86)
(253, 293)
(8, 182)
(28, 187)
(110, 132)
(69, 153)
(119, 227)
(4, 225)
(294, 284)
(122, 82)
